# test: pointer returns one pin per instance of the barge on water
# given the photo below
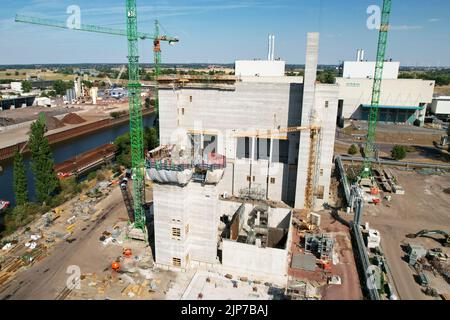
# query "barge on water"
(86, 161)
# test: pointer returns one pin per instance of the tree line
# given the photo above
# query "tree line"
(46, 182)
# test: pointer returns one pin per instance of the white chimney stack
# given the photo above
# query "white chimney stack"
(273, 47)
(269, 51)
(362, 55)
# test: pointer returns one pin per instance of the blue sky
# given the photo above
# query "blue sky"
(220, 31)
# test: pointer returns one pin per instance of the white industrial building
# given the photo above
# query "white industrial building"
(401, 100)
(235, 160)
(440, 107)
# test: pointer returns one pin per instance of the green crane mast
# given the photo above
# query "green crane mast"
(157, 56)
(135, 108)
(369, 151)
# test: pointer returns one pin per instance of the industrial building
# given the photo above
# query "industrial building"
(401, 101)
(236, 159)
(440, 107)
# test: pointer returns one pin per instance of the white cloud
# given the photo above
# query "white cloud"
(434, 19)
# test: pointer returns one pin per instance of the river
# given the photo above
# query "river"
(62, 152)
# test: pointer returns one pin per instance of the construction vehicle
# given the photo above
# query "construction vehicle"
(134, 94)
(115, 266)
(428, 233)
(369, 150)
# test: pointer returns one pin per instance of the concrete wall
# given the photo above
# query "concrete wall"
(277, 174)
(399, 92)
(326, 105)
(195, 210)
(251, 105)
(312, 57)
(259, 68)
(253, 260)
(366, 69)
(440, 106)
(279, 218)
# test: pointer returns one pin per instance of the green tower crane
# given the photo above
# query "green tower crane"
(134, 90)
(369, 151)
(135, 108)
(157, 55)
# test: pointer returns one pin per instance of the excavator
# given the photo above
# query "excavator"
(429, 233)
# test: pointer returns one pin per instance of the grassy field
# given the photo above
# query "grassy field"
(23, 73)
(48, 75)
(442, 90)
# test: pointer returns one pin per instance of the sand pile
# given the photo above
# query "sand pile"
(73, 118)
(53, 123)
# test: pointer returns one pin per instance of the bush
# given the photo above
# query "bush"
(117, 114)
(399, 152)
(69, 186)
(353, 149)
(92, 175)
(20, 216)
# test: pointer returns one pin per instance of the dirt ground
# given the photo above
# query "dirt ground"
(425, 205)
(345, 266)
(391, 134)
(47, 278)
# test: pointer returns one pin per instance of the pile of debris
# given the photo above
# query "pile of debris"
(53, 123)
(73, 118)
(303, 290)
(15, 255)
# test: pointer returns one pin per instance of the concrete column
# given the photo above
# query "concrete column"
(271, 151)
(312, 57)
(254, 156)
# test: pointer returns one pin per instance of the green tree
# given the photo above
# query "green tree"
(147, 103)
(123, 150)
(353, 149)
(26, 86)
(45, 178)
(60, 87)
(151, 138)
(20, 180)
(398, 152)
(88, 84)
(327, 76)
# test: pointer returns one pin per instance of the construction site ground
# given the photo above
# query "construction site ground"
(55, 264)
(419, 141)
(97, 239)
(25, 116)
(343, 264)
(425, 205)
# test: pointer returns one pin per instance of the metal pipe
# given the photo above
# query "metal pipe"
(396, 163)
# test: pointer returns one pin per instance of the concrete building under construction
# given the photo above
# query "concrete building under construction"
(235, 159)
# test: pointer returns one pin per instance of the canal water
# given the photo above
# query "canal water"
(62, 152)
